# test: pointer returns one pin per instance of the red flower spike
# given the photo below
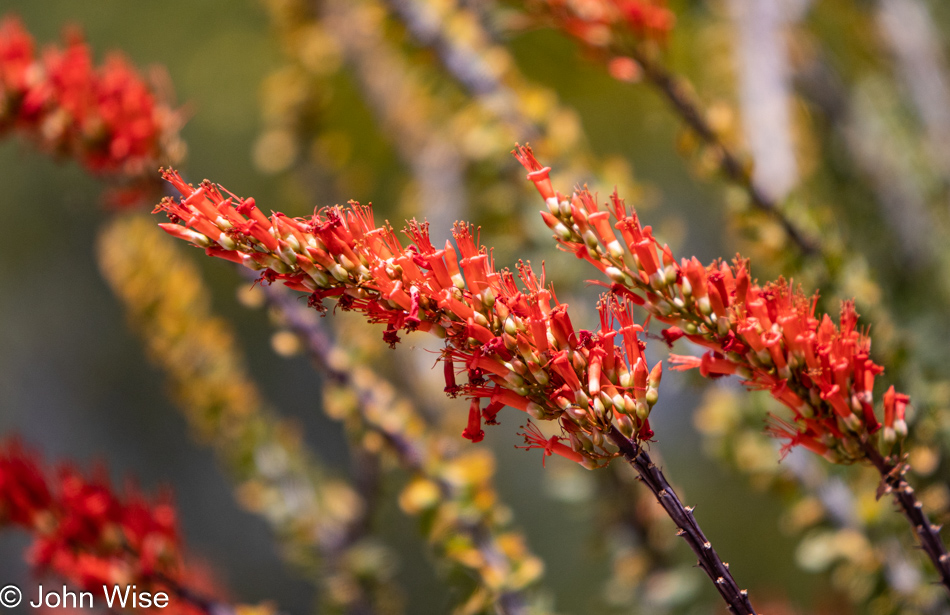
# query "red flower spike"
(517, 343)
(84, 532)
(769, 334)
(105, 117)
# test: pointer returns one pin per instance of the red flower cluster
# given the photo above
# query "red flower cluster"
(596, 22)
(767, 335)
(516, 346)
(84, 532)
(106, 117)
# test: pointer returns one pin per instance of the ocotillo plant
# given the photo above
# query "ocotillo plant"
(322, 522)
(514, 346)
(92, 538)
(447, 84)
(768, 336)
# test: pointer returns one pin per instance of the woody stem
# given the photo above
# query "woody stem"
(684, 104)
(928, 534)
(716, 569)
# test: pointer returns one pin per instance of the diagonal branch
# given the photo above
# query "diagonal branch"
(928, 534)
(411, 453)
(709, 560)
(678, 95)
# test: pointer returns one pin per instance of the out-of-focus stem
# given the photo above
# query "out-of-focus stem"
(464, 64)
(318, 346)
(762, 63)
(928, 534)
(277, 478)
(909, 30)
(411, 453)
(387, 83)
(677, 93)
(716, 569)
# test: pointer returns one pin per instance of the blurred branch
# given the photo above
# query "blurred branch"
(683, 102)
(435, 460)
(765, 92)
(467, 64)
(402, 105)
(320, 521)
(611, 37)
(915, 43)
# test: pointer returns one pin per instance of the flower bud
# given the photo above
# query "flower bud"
(900, 428)
(890, 435)
(535, 411)
(652, 396)
(626, 426)
(853, 422)
(591, 239)
(596, 437)
(616, 250)
(615, 274)
(643, 411)
(541, 377)
(563, 233)
(582, 400)
(226, 242)
(514, 380)
(626, 379)
(339, 273)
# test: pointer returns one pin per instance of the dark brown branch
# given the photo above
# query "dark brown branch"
(716, 569)
(678, 95)
(928, 534)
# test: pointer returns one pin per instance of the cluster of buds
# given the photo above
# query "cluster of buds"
(516, 346)
(767, 335)
(597, 23)
(83, 531)
(106, 117)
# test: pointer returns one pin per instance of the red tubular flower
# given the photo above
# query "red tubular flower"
(516, 342)
(767, 334)
(474, 431)
(105, 117)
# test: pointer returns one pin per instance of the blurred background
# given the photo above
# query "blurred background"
(848, 138)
